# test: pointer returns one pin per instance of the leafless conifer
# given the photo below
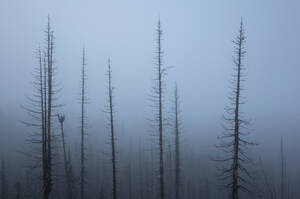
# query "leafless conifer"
(112, 132)
(42, 110)
(61, 119)
(82, 130)
(157, 98)
(234, 144)
(177, 143)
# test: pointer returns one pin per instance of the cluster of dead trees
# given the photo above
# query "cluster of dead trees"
(234, 173)
(43, 110)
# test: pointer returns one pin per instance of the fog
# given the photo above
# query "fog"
(198, 53)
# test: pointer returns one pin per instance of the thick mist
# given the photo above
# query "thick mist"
(198, 53)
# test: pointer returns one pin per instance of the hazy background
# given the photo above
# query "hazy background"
(197, 41)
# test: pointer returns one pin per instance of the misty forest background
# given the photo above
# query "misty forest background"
(113, 100)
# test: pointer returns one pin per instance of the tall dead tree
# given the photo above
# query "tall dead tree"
(234, 171)
(82, 146)
(61, 119)
(112, 132)
(4, 187)
(42, 109)
(177, 143)
(161, 159)
(157, 99)
(49, 107)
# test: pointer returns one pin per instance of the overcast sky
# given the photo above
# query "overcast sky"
(197, 43)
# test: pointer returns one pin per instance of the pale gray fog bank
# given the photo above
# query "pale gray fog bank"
(149, 99)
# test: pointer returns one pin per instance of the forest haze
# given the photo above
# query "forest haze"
(149, 99)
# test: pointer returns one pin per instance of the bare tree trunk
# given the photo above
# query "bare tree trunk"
(236, 124)
(82, 147)
(41, 111)
(61, 119)
(160, 116)
(113, 150)
(235, 171)
(43, 105)
(235, 175)
(50, 92)
(177, 146)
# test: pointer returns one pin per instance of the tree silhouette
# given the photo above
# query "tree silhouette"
(82, 130)
(177, 143)
(112, 133)
(157, 99)
(41, 110)
(61, 119)
(234, 171)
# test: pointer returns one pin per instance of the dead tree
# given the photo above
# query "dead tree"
(177, 143)
(112, 132)
(42, 109)
(234, 144)
(49, 107)
(4, 187)
(157, 98)
(61, 119)
(161, 167)
(83, 134)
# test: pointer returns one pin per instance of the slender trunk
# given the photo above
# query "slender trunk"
(237, 122)
(42, 110)
(113, 158)
(82, 148)
(61, 119)
(42, 82)
(160, 116)
(177, 147)
(48, 108)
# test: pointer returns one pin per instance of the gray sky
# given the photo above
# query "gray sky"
(196, 41)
